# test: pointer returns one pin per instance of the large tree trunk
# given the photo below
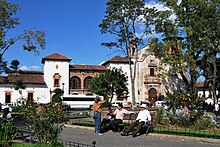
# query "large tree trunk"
(132, 77)
(214, 85)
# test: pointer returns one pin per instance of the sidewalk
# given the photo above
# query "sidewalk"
(86, 135)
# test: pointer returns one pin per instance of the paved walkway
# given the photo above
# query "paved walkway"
(86, 135)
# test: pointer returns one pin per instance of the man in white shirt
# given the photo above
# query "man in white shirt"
(142, 118)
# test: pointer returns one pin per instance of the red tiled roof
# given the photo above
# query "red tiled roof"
(27, 78)
(88, 67)
(30, 72)
(116, 59)
(55, 56)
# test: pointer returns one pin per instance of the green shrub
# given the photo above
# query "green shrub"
(203, 123)
(7, 132)
(40, 144)
(88, 124)
(44, 121)
(159, 118)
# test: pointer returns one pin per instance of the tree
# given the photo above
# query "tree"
(14, 67)
(33, 40)
(210, 34)
(123, 19)
(218, 73)
(111, 82)
(19, 85)
(192, 23)
(57, 95)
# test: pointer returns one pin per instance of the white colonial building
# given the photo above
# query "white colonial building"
(74, 79)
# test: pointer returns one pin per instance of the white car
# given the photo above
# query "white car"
(115, 104)
(162, 104)
(159, 104)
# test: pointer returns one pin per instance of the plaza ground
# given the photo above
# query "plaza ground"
(86, 135)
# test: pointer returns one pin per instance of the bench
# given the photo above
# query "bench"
(129, 118)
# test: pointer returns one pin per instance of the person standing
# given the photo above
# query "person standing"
(119, 114)
(97, 108)
(142, 118)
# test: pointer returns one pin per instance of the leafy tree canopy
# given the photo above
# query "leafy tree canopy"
(111, 82)
(19, 84)
(126, 19)
(191, 37)
(57, 95)
(130, 22)
(33, 40)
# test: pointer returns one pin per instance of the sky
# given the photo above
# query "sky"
(71, 28)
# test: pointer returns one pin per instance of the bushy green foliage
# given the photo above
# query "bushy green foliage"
(57, 95)
(7, 132)
(45, 121)
(160, 117)
(185, 109)
(203, 123)
(40, 144)
(187, 99)
(112, 81)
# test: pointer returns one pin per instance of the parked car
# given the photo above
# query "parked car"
(115, 104)
(159, 104)
(148, 103)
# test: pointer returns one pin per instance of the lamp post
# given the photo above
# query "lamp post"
(51, 95)
(63, 90)
(63, 86)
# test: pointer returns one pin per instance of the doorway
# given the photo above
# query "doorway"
(152, 93)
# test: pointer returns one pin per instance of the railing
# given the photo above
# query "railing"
(208, 133)
(215, 134)
(76, 144)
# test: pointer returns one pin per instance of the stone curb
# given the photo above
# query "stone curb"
(186, 138)
(165, 136)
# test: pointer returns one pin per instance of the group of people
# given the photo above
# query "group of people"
(114, 118)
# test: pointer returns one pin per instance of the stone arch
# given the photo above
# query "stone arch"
(75, 82)
(152, 93)
(87, 81)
